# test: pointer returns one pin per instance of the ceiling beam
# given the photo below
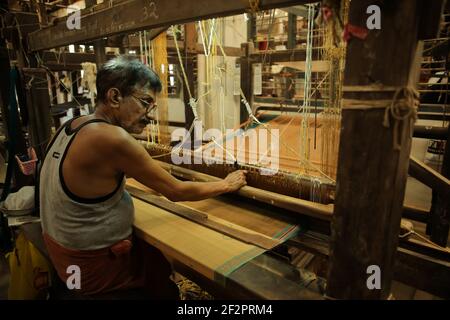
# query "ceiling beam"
(133, 15)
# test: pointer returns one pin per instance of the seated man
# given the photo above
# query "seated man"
(86, 214)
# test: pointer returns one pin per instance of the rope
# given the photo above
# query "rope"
(203, 39)
(304, 143)
(254, 5)
(400, 109)
(410, 227)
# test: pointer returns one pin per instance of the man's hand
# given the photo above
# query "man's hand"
(236, 180)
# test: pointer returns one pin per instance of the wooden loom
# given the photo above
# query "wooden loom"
(251, 222)
(364, 215)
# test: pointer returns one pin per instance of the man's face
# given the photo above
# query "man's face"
(136, 110)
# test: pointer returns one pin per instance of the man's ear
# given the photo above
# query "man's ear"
(114, 97)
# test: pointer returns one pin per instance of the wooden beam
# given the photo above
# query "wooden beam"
(372, 173)
(133, 42)
(429, 177)
(427, 132)
(422, 272)
(69, 58)
(285, 55)
(415, 269)
(135, 15)
(100, 54)
(202, 218)
(307, 208)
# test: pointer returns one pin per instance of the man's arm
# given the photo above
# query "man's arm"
(131, 158)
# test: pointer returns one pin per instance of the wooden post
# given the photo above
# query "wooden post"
(440, 204)
(190, 38)
(372, 174)
(246, 78)
(251, 27)
(18, 141)
(190, 45)
(100, 55)
(292, 31)
(38, 103)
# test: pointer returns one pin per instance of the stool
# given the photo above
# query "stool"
(59, 290)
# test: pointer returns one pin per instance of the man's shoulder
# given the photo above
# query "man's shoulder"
(104, 135)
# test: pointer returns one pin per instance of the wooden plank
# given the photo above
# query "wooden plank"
(415, 213)
(134, 15)
(228, 229)
(422, 272)
(192, 244)
(249, 215)
(372, 174)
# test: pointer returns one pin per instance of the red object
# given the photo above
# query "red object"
(351, 30)
(327, 13)
(121, 247)
(28, 167)
(263, 45)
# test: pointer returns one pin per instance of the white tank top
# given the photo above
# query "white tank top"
(75, 222)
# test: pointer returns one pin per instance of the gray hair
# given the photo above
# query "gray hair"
(124, 73)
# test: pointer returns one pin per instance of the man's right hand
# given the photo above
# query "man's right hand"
(236, 180)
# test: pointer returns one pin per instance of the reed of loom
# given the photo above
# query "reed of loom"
(283, 182)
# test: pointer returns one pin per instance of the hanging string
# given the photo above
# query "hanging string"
(265, 125)
(304, 147)
(401, 110)
(254, 5)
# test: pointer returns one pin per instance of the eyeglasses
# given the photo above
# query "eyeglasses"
(149, 106)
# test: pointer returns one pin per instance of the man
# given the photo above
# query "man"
(86, 214)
